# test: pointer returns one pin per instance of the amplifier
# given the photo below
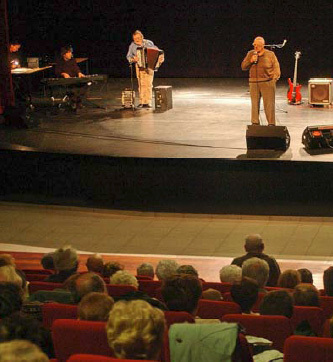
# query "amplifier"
(318, 137)
(267, 137)
(163, 98)
(320, 91)
(33, 62)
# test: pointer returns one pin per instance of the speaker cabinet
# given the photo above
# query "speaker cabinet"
(320, 91)
(163, 98)
(267, 138)
(318, 137)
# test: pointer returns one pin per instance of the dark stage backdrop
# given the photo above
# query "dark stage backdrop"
(200, 38)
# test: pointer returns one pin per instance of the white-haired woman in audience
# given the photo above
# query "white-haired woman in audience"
(123, 277)
(166, 268)
(230, 274)
(135, 330)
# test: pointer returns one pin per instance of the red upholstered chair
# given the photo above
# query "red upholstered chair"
(45, 272)
(35, 286)
(308, 349)
(274, 328)
(116, 290)
(149, 287)
(221, 287)
(97, 358)
(211, 309)
(53, 311)
(178, 317)
(36, 277)
(314, 315)
(228, 298)
(326, 304)
(326, 329)
(75, 336)
(144, 277)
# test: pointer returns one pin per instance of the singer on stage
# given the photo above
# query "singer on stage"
(264, 72)
(145, 75)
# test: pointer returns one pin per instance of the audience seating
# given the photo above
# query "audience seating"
(53, 311)
(326, 329)
(178, 317)
(149, 287)
(274, 328)
(75, 336)
(36, 277)
(326, 303)
(308, 349)
(211, 309)
(143, 277)
(96, 358)
(119, 290)
(35, 286)
(314, 315)
(221, 287)
(38, 271)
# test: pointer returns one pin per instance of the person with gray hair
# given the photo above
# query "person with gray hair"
(256, 269)
(123, 277)
(145, 269)
(230, 274)
(188, 269)
(254, 247)
(166, 268)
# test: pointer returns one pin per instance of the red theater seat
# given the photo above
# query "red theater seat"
(45, 272)
(221, 287)
(211, 309)
(313, 315)
(116, 290)
(178, 317)
(308, 349)
(35, 286)
(326, 304)
(36, 277)
(53, 311)
(274, 328)
(75, 336)
(96, 358)
(149, 287)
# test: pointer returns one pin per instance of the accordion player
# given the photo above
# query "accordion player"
(149, 58)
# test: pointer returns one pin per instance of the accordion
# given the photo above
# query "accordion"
(150, 58)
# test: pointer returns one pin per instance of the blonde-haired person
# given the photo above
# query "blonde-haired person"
(135, 330)
(123, 277)
(95, 307)
(21, 351)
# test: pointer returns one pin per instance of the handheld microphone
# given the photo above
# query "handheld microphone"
(256, 54)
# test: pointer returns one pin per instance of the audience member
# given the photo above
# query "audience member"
(182, 293)
(18, 326)
(145, 269)
(245, 294)
(135, 330)
(187, 269)
(123, 277)
(328, 281)
(166, 268)
(21, 351)
(254, 247)
(289, 279)
(10, 299)
(95, 307)
(9, 274)
(306, 275)
(84, 284)
(65, 264)
(110, 268)
(47, 261)
(230, 274)
(277, 302)
(95, 263)
(306, 294)
(257, 269)
(212, 294)
(7, 259)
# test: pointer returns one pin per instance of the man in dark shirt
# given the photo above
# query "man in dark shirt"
(254, 246)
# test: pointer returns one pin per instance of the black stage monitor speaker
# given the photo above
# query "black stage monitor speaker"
(267, 137)
(318, 137)
(163, 98)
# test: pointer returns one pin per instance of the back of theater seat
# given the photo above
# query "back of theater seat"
(326, 303)
(75, 336)
(36, 277)
(37, 285)
(308, 349)
(274, 328)
(314, 315)
(117, 290)
(149, 287)
(327, 329)
(178, 317)
(53, 311)
(96, 358)
(211, 309)
(45, 272)
(221, 287)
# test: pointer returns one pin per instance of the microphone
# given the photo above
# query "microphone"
(256, 54)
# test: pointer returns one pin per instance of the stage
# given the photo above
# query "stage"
(192, 158)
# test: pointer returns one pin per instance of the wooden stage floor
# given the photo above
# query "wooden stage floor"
(208, 120)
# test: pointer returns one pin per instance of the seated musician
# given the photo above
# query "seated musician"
(14, 58)
(66, 67)
(145, 75)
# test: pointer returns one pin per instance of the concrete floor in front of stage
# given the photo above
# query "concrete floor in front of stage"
(208, 120)
(297, 242)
